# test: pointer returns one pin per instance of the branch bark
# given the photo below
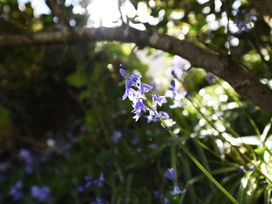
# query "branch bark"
(223, 66)
(264, 7)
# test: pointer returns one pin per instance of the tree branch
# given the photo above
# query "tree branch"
(264, 7)
(223, 66)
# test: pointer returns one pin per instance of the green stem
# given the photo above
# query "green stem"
(200, 166)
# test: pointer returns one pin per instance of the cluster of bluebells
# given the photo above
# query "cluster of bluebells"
(161, 197)
(135, 91)
(176, 95)
(116, 136)
(28, 159)
(40, 193)
(16, 191)
(89, 182)
(170, 174)
(179, 66)
(244, 20)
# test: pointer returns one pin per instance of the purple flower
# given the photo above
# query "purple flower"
(116, 136)
(100, 181)
(158, 194)
(177, 95)
(123, 73)
(40, 193)
(135, 92)
(16, 191)
(28, 169)
(158, 100)
(139, 109)
(131, 81)
(153, 116)
(153, 146)
(170, 174)
(210, 78)
(244, 19)
(80, 189)
(145, 88)
(176, 191)
(87, 177)
(98, 201)
(179, 65)
(88, 185)
(166, 201)
(25, 154)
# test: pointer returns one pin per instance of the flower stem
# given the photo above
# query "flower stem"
(200, 166)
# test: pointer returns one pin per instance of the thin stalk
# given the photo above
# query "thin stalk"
(245, 157)
(199, 165)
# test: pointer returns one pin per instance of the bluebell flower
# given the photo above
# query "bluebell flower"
(87, 177)
(170, 174)
(210, 78)
(16, 191)
(98, 201)
(153, 116)
(28, 169)
(166, 201)
(176, 191)
(158, 194)
(176, 94)
(41, 193)
(100, 181)
(153, 146)
(116, 136)
(131, 81)
(135, 92)
(88, 185)
(145, 88)
(139, 107)
(244, 19)
(123, 73)
(179, 65)
(158, 100)
(80, 189)
(25, 154)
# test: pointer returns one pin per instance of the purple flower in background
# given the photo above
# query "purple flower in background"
(166, 201)
(87, 177)
(16, 191)
(176, 191)
(244, 20)
(25, 154)
(153, 146)
(40, 193)
(27, 157)
(210, 78)
(80, 189)
(88, 185)
(179, 65)
(116, 136)
(123, 73)
(98, 201)
(176, 94)
(100, 181)
(158, 194)
(170, 174)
